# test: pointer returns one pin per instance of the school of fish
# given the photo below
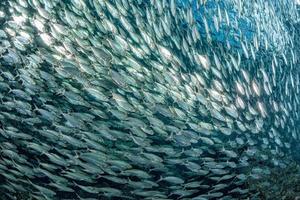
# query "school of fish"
(156, 99)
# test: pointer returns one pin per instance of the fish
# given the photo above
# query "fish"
(159, 99)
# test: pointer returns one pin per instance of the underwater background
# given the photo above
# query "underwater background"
(149, 99)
